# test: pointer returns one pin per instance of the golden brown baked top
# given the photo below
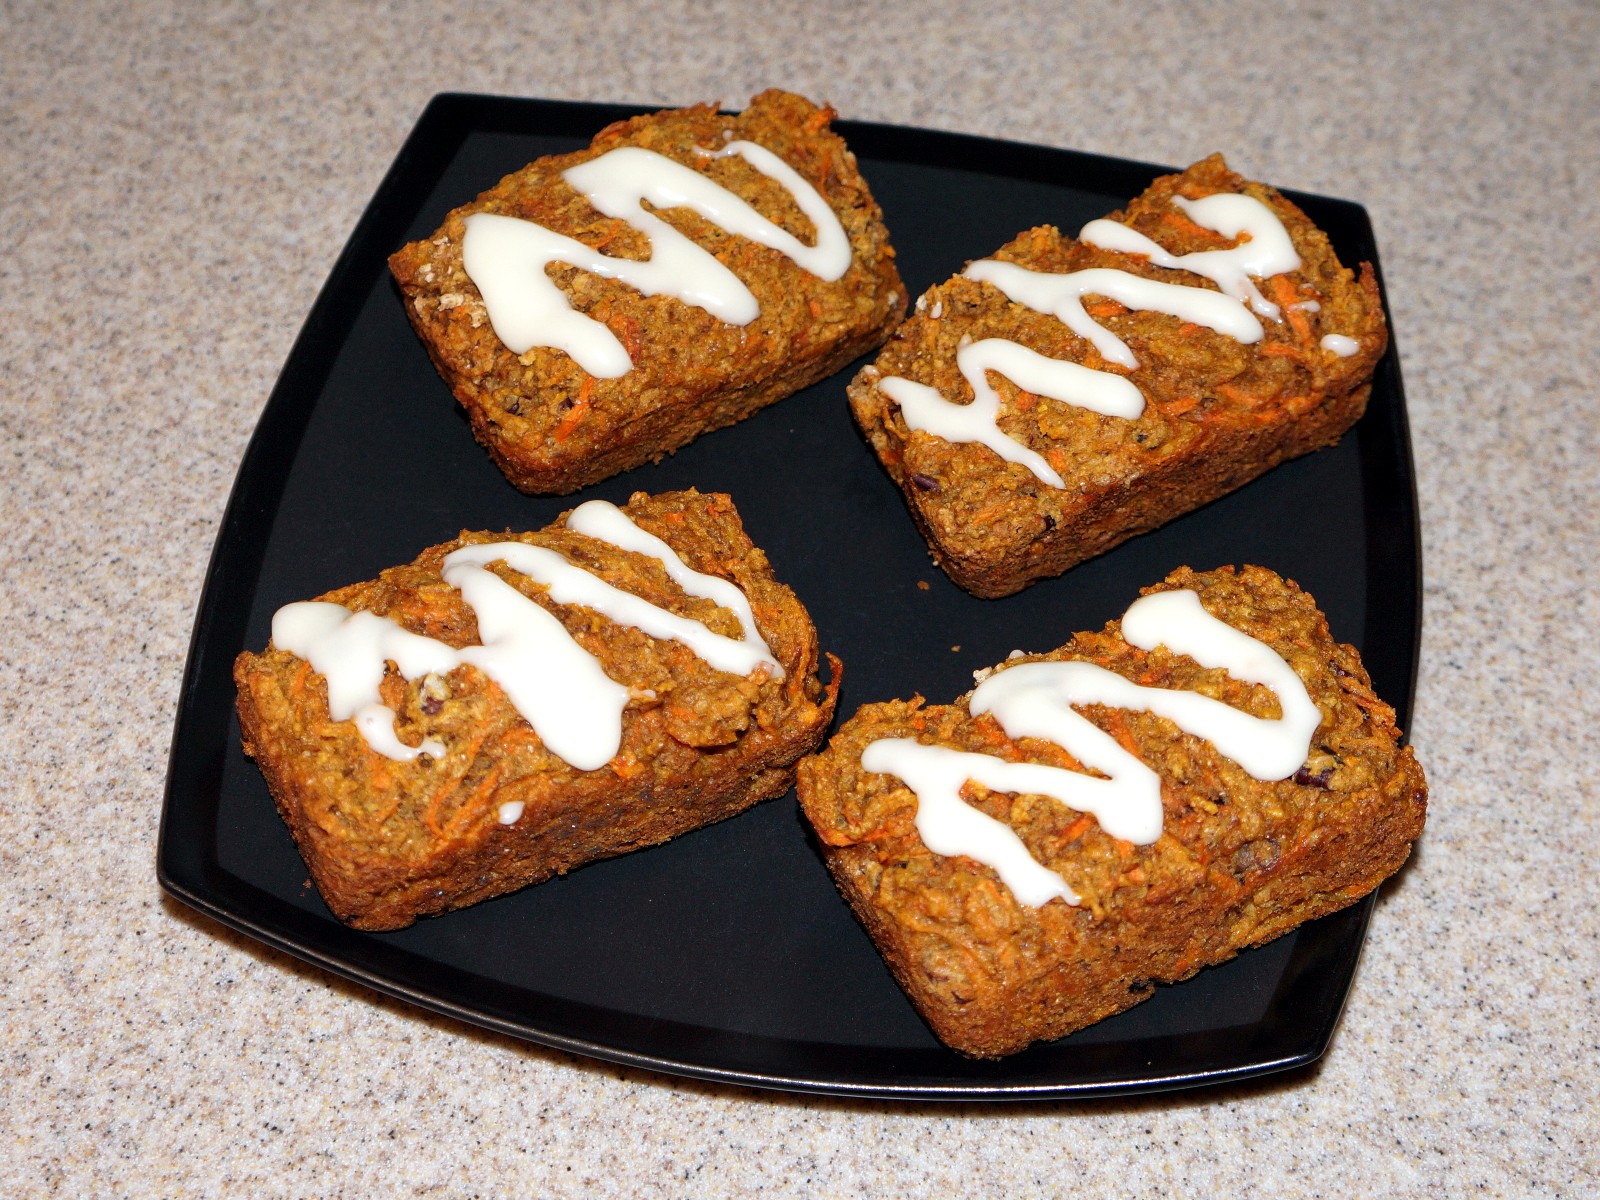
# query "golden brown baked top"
(1202, 389)
(541, 403)
(1193, 378)
(1223, 831)
(679, 707)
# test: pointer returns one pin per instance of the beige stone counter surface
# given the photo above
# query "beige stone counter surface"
(176, 182)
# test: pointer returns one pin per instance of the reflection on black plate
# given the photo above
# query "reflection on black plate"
(727, 954)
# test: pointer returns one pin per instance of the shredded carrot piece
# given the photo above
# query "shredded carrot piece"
(1181, 220)
(380, 776)
(297, 685)
(1105, 308)
(1120, 730)
(1281, 350)
(1180, 406)
(992, 733)
(486, 788)
(1285, 297)
(625, 767)
(430, 815)
(579, 410)
(819, 119)
(1078, 828)
(1189, 329)
(1238, 395)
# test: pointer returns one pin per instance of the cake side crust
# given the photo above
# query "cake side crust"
(1238, 861)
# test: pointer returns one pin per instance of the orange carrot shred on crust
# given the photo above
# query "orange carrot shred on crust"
(381, 776)
(1189, 329)
(1281, 350)
(1078, 828)
(1181, 405)
(1182, 221)
(1121, 731)
(1286, 298)
(1105, 308)
(818, 120)
(430, 815)
(624, 767)
(576, 414)
(297, 685)
(486, 788)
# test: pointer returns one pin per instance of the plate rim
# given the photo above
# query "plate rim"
(186, 873)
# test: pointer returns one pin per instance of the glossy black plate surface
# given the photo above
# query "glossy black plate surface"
(727, 954)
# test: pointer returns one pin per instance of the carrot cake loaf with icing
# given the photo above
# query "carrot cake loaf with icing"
(1064, 395)
(510, 706)
(597, 310)
(1201, 776)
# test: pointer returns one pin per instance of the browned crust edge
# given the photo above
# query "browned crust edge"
(1046, 531)
(695, 374)
(601, 816)
(1106, 963)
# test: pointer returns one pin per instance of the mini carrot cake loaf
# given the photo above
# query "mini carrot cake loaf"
(510, 706)
(598, 310)
(1058, 398)
(1201, 776)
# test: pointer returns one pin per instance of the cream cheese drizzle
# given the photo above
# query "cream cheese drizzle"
(607, 523)
(924, 408)
(1268, 250)
(350, 650)
(507, 257)
(1338, 343)
(950, 826)
(557, 686)
(1037, 700)
(1061, 295)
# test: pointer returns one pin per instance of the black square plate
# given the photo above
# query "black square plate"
(727, 954)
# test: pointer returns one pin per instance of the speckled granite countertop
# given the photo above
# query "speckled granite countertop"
(176, 186)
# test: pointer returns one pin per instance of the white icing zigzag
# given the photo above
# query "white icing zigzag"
(1036, 699)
